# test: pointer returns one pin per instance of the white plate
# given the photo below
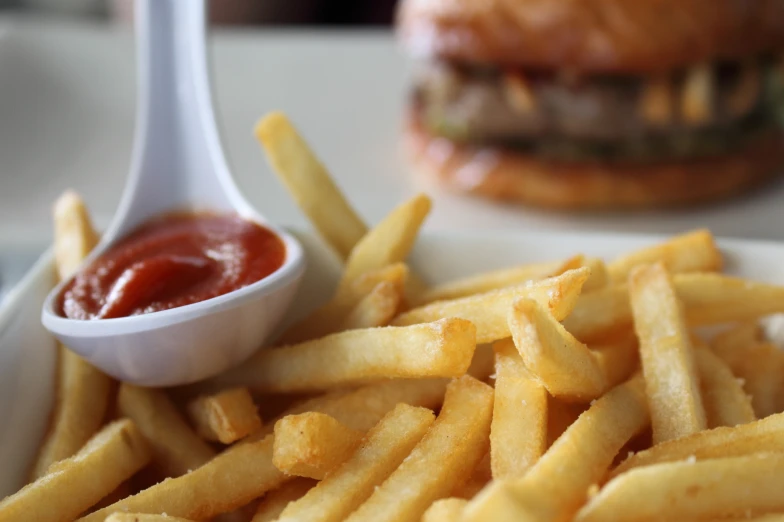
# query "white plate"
(27, 355)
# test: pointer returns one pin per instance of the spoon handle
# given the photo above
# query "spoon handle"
(177, 158)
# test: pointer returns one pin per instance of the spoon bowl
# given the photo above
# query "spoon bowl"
(178, 164)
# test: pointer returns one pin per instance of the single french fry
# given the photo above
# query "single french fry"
(708, 298)
(730, 345)
(687, 490)
(274, 502)
(233, 478)
(666, 355)
(439, 349)
(600, 276)
(563, 365)
(309, 183)
(760, 367)
(617, 361)
(690, 252)
(388, 242)
(327, 318)
(73, 485)
(82, 395)
(489, 311)
(141, 517)
(726, 404)
(445, 510)
(497, 279)
(764, 435)
(586, 449)
(176, 448)
(312, 444)
(518, 433)
(443, 458)
(382, 451)
(376, 309)
(226, 416)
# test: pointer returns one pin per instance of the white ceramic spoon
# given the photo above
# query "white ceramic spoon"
(178, 163)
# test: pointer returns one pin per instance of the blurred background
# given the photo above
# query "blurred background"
(229, 12)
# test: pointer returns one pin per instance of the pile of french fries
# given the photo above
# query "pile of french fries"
(576, 390)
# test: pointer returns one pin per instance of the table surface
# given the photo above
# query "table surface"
(66, 120)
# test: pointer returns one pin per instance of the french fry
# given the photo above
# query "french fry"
(764, 435)
(176, 448)
(726, 404)
(312, 444)
(690, 252)
(440, 349)
(82, 395)
(376, 309)
(666, 355)
(141, 517)
(731, 344)
(445, 510)
(707, 298)
(274, 502)
(518, 433)
(563, 365)
(73, 485)
(761, 369)
(733, 486)
(587, 448)
(489, 311)
(497, 279)
(225, 417)
(443, 458)
(617, 361)
(600, 276)
(229, 481)
(388, 242)
(327, 318)
(383, 450)
(309, 183)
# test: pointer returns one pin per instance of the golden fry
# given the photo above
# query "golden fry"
(564, 365)
(546, 493)
(518, 433)
(140, 517)
(497, 279)
(666, 355)
(309, 183)
(489, 311)
(726, 404)
(383, 450)
(376, 309)
(176, 448)
(232, 479)
(312, 444)
(82, 395)
(444, 458)
(687, 490)
(691, 252)
(75, 484)
(225, 417)
(440, 349)
(765, 435)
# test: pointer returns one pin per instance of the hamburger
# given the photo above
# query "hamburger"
(597, 104)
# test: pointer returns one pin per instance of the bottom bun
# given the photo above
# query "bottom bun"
(510, 176)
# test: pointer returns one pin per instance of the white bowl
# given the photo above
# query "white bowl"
(27, 352)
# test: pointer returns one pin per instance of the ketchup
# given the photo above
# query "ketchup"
(170, 262)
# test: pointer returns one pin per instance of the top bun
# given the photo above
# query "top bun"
(592, 35)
